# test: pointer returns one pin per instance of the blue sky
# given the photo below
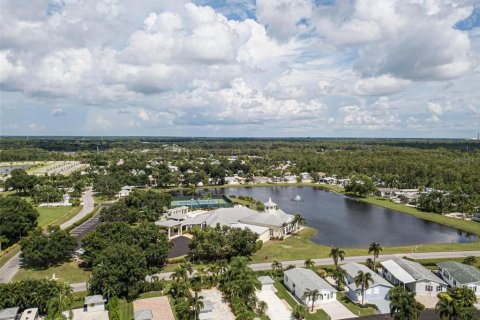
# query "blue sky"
(384, 68)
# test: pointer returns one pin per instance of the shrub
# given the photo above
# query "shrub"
(259, 244)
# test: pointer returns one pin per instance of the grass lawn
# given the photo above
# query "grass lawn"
(79, 299)
(50, 214)
(101, 199)
(68, 272)
(468, 226)
(300, 247)
(126, 310)
(355, 309)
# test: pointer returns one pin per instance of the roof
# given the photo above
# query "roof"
(276, 218)
(265, 280)
(9, 313)
(409, 271)
(207, 306)
(270, 203)
(178, 216)
(353, 268)
(222, 216)
(29, 314)
(308, 279)
(462, 273)
(94, 299)
(168, 223)
(257, 229)
(143, 314)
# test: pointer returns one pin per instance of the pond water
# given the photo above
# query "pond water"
(8, 169)
(345, 222)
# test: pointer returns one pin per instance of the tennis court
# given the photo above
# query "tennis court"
(220, 202)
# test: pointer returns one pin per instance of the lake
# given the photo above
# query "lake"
(345, 222)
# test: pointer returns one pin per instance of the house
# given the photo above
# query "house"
(143, 315)
(387, 192)
(306, 177)
(459, 275)
(328, 180)
(9, 313)
(413, 276)
(266, 282)
(375, 294)
(231, 180)
(298, 280)
(125, 191)
(343, 182)
(30, 314)
(94, 303)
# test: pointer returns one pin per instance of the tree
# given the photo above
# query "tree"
(60, 303)
(370, 264)
(470, 260)
(17, 218)
(262, 308)
(45, 249)
(20, 181)
(276, 267)
(403, 305)
(360, 185)
(456, 304)
(336, 254)
(363, 281)
(339, 275)
(300, 311)
(107, 185)
(311, 295)
(309, 263)
(3, 239)
(299, 219)
(375, 248)
(196, 304)
(117, 271)
(464, 296)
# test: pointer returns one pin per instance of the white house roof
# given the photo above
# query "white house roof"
(29, 314)
(98, 298)
(270, 203)
(265, 280)
(143, 314)
(276, 218)
(9, 313)
(257, 229)
(352, 270)
(222, 216)
(308, 279)
(408, 271)
(168, 223)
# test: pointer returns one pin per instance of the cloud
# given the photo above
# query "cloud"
(58, 112)
(381, 85)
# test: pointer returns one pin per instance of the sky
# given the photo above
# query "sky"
(225, 68)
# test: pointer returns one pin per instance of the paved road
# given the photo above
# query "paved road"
(10, 268)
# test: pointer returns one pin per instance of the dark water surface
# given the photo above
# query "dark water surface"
(345, 222)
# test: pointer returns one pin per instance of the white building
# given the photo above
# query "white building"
(414, 276)
(266, 282)
(298, 280)
(9, 313)
(94, 303)
(459, 275)
(30, 314)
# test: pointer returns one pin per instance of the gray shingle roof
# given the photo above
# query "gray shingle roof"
(265, 280)
(415, 270)
(462, 273)
(353, 268)
(9, 313)
(94, 299)
(309, 279)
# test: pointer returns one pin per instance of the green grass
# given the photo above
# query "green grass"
(68, 272)
(126, 310)
(354, 308)
(50, 214)
(79, 299)
(318, 315)
(465, 225)
(100, 199)
(151, 294)
(300, 247)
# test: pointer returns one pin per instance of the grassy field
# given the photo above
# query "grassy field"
(355, 309)
(50, 214)
(300, 247)
(126, 310)
(68, 272)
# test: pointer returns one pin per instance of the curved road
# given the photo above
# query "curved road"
(10, 268)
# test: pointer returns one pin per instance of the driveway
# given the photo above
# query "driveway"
(277, 309)
(336, 310)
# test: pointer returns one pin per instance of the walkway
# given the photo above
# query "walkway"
(276, 307)
(9, 269)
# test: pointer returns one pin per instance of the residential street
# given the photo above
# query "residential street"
(9, 269)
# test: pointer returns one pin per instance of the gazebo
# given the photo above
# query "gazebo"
(173, 227)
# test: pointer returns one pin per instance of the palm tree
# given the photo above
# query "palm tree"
(196, 303)
(299, 219)
(312, 295)
(276, 266)
(375, 248)
(300, 311)
(339, 275)
(180, 273)
(370, 264)
(363, 281)
(60, 303)
(262, 308)
(309, 263)
(403, 305)
(337, 253)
